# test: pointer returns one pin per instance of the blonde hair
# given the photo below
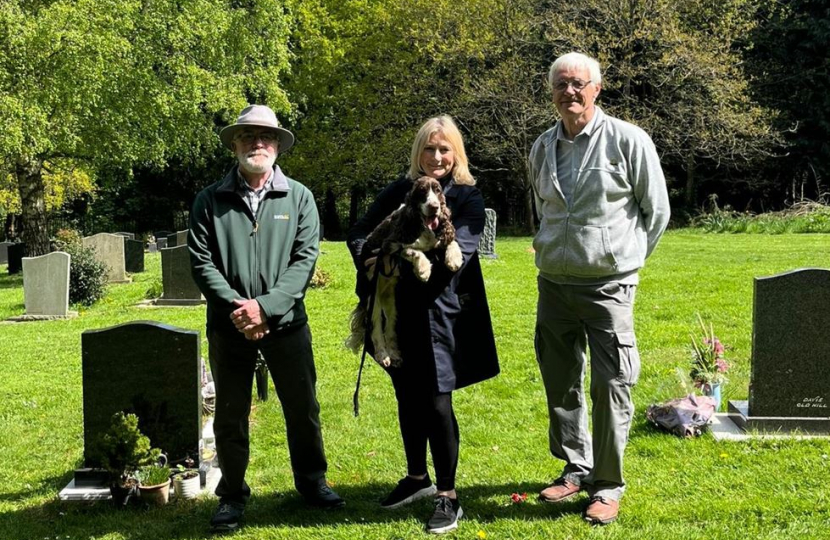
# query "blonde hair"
(446, 127)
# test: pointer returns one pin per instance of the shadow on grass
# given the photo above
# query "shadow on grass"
(190, 519)
(10, 281)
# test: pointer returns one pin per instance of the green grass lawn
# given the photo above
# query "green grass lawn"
(677, 488)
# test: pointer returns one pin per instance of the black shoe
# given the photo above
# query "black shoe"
(322, 496)
(408, 490)
(446, 515)
(226, 517)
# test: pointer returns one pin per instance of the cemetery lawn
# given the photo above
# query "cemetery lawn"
(689, 489)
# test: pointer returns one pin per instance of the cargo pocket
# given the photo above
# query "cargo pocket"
(629, 371)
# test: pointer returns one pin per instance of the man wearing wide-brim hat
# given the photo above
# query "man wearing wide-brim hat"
(253, 244)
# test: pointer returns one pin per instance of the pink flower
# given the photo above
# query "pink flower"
(518, 498)
(718, 347)
(721, 365)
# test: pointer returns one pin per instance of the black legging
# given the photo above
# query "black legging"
(424, 416)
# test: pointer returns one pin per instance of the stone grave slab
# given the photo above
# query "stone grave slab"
(46, 287)
(109, 249)
(4, 252)
(133, 255)
(177, 281)
(152, 247)
(152, 370)
(16, 253)
(790, 373)
(487, 241)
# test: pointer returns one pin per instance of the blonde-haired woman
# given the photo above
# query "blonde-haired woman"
(444, 330)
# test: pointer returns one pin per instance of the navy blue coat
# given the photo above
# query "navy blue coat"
(444, 330)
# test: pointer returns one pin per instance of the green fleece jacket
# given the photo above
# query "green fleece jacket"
(269, 257)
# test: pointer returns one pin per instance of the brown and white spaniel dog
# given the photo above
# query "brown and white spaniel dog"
(420, 225)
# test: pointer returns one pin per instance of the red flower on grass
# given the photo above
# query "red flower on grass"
(518, 498)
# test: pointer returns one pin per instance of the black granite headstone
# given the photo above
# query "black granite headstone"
(161, 234)
(16, 254)
(133, 255)
(790, 379)
(161, 243)
(149, 369)
(177, 280)
(171, 240)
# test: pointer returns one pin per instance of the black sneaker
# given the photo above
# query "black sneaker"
(226, 517)
(446, 515)
(408, 490)
(322, 496)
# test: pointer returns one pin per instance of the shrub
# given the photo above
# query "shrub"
(87, 275)
(67, 237)
(123, 449)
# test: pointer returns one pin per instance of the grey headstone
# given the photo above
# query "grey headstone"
(177, 281)
(4, 252)
(109, 249)
(126, 235)
(133, 255)
(161, 243)
(16, 254)
(152, 247)
(487, 241)
(181, 238)
(790, 379)
(46, 284)
(149, 369)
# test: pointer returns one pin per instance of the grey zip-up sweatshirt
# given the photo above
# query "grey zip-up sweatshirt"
(618, 210)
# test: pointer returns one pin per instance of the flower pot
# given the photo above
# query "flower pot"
(122, 493)
(713, 390)
(187, 488)
(157, 495)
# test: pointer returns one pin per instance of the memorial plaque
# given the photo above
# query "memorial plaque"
(790, 371)
(149, 369)
(109, 249)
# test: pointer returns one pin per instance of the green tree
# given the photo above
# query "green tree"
(113, 83)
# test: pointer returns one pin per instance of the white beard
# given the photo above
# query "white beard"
(256, 164)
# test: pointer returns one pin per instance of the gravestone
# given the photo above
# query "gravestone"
(152, 370)
(129, 235)
(46, 286)
(790, 373)
(133, 255)
(16, 254)
(177, 281)
(109, 249)
(161, 243)
(171, 240)
(161, 234)
(177, 239)
(152, 247)
(4, 252)
(487, 241)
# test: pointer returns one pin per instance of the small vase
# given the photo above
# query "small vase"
(713, 390)
(157, 495)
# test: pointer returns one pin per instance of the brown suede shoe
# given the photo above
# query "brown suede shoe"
(601, 511)
(560, 490)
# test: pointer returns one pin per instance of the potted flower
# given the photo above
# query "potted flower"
(154, 484)
(186, 481)
(708, 364)
(121, 451)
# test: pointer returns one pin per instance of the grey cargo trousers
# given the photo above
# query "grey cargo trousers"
(570, 318)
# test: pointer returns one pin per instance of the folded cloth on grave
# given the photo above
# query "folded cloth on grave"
(684, 417)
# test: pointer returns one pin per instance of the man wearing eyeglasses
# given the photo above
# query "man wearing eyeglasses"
(253, 244)
(602, 202)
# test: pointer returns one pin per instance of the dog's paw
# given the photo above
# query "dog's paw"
(423, 269)
(453, 258)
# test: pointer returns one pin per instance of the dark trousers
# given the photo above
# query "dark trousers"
(291, 363)
(427, 416)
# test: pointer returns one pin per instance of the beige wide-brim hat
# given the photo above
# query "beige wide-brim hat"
(257, 116)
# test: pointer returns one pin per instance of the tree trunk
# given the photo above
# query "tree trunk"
(689, 194)
(33, 205)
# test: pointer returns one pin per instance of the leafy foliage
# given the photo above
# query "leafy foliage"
(123, 449)
(153, 475)
(87, 275)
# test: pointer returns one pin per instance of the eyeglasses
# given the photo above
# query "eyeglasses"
(247, 137)
(577, 84)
